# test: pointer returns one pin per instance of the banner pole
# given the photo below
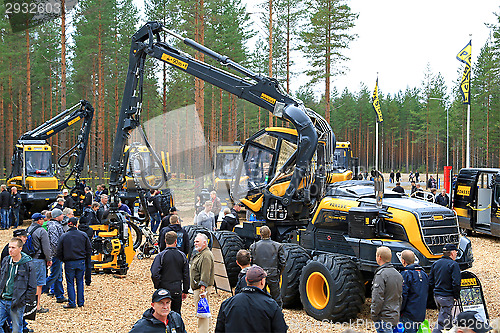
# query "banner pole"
(376, 144)
(467, 165)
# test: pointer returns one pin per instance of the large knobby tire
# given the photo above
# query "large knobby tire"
(331, 288)
(192, 231)
(230, 244)
(296, 258)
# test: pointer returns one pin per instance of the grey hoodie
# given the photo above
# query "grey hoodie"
(41, 243)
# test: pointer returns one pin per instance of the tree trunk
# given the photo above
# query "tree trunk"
(62, 135)
(270, 51)
(28, 81)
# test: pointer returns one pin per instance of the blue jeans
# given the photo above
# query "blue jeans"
(15, 217)
(16, 315)
(383, 327)
(445, 318)
(5, 212)
(55, 278)
(155, 221)
(409, 325)
(74, 270)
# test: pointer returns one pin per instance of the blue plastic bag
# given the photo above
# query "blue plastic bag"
(203, 308)
(399, 328)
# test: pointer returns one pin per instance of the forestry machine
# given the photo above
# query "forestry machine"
(32, 168)
(330, 230)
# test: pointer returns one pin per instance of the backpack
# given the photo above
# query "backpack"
(29, 247)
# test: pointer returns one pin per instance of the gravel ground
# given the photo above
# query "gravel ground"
(115, 304)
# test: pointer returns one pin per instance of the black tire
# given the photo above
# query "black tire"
(230, 243)
(296, 258)
(192, 231)
(138, 234)
(331, 288)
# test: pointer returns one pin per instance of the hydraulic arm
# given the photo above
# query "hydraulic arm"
(257, 89)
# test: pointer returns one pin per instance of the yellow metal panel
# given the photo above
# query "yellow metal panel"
(254, 206)
(461, 212)
(334, 204)
(463, 190)
(410, 225)
(41, 183)
(282, 130)
(338, 177)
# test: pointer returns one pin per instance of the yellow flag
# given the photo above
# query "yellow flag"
(376, 103)
(465, 85)
(465, 54)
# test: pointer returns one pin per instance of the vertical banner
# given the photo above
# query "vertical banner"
(465, 56)
(376, 103)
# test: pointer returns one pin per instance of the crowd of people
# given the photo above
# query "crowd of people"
(402, 297)
(56, 237)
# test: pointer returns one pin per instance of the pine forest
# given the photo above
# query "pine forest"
(84, 55)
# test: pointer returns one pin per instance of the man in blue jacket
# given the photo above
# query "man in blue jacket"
(415, 290)
(445, 280)
(159, 318)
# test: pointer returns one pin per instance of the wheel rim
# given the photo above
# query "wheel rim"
(318, 291)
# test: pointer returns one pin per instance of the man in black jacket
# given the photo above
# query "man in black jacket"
(415, 290)
(5, 202)
(15, 206)
(154, 209)
(68, 200)
(182, 235)
(442, 199)
(243, 260)
(17, 285)
(445, 279)
(153, 320)
(228, 221)
(170, 270)
(252, 310)
(271, 257)
(398, 188)
(74, 250)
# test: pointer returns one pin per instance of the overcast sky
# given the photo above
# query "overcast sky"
(398, 38)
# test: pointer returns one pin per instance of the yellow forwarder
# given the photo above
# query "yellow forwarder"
(32, 165)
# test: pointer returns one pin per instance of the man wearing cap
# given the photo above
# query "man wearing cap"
(251, 310)
(19, 233)
(74, 250)
(182, 235)
(165, 222)
(55, 231)
(415, 291)
(202, 275)
(159, 318)
(42, 255)
(445, 280)
(470, 322)
(270, 255)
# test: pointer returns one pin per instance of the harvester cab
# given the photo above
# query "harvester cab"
(32, 165)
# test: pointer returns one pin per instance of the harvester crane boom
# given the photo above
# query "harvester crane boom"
(260, 90)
